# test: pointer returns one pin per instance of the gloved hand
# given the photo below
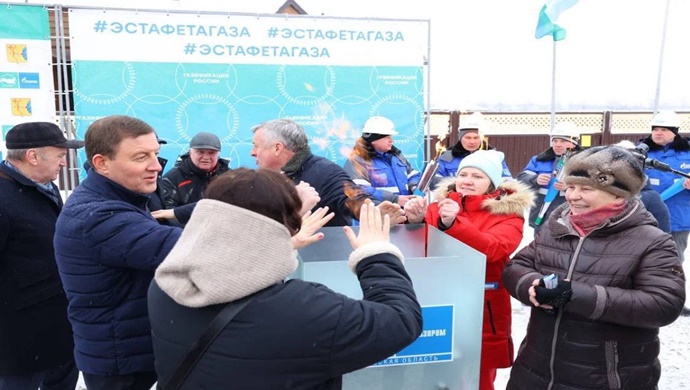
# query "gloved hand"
(556, 297)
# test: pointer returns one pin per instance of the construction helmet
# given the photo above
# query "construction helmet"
(474, 121)
(667, 119)
(567, 131)
(379, 125)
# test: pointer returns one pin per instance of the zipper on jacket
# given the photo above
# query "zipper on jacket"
(554, 339)
(491, 316)
(611, 351)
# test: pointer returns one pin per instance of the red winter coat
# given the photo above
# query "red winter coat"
(491, 224)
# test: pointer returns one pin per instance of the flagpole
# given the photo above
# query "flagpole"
(661, 58)
(553, 87)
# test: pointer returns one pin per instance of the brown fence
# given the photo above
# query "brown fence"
(521, 135)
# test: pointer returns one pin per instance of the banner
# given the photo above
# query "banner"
(185, 73)
(26, 75)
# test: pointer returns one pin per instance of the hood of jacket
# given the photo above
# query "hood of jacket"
(511, 197)
(225, 253)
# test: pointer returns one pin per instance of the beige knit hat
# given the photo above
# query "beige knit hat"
(609, 168)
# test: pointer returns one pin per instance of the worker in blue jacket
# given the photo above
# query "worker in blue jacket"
(379, 167)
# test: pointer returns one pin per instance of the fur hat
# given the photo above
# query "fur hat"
(488, 161)
(608, 168)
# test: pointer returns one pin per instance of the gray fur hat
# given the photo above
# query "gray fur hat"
(608, 168)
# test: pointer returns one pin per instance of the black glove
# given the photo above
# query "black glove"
(556, 297)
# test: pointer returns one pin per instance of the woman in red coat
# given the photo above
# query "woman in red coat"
(479, 210)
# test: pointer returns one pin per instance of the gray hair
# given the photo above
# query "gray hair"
(286, 131)
(16, 154)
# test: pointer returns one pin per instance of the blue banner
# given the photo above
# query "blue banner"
(187, 73)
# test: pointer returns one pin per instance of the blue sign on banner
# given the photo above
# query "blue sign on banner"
(29, 80)
(435, 344)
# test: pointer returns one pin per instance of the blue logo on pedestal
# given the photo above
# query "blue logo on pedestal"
(434, 345)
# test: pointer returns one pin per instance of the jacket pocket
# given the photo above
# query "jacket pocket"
(611, 351)
(490, 317)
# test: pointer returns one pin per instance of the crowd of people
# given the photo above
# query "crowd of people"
(181, 279)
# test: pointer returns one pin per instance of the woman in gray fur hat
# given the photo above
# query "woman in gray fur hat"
(619, 279)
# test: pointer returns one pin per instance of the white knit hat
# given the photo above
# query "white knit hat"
(488, 161)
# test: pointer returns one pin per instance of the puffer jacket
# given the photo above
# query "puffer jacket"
(107, 246)
(491, 224)
(627, 281)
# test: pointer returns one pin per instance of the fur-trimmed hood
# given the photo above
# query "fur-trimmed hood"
(511, 197)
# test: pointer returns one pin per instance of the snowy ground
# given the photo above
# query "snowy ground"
(675, 342)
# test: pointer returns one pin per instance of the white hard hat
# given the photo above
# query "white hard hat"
(567, 131)
(474, 121)
(667, 119)
(379, 125)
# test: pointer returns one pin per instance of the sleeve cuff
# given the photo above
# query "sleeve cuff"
(371, 249)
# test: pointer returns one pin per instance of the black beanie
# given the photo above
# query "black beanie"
(371, 137)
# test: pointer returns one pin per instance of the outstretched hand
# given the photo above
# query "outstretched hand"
(311, 223)
(415, 209)
(372, 226)
(393, 210)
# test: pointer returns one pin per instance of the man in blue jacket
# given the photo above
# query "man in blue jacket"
(669, 147)
(540, 169)
(35, 336)
(107, 247)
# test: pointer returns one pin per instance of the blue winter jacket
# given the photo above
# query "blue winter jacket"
(385, 177)
(449, 161)
(107, 247)
(542, 163)
(679, 204)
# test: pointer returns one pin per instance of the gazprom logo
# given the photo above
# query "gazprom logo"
(29, 81)
(684, 166)
(8, 80)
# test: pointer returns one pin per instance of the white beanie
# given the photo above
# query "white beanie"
(488, 161)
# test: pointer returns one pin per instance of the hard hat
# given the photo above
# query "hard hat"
(567, 131)
(667, 119)
(474, 121)
(379, 125)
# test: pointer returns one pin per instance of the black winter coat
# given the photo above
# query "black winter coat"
(329, 180)
(185, 183)
(292, 335)
(34, 331)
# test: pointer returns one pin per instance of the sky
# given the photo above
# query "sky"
(484, 55)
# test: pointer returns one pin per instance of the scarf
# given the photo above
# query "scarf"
(586, 222)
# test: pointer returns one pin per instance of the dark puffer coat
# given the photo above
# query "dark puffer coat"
(627, 281)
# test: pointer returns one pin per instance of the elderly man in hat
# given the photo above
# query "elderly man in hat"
(36, 346)
(193, 171)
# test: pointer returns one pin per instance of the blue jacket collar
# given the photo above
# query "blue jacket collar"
(102, 185)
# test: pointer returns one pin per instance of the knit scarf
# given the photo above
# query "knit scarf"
(586, 222)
